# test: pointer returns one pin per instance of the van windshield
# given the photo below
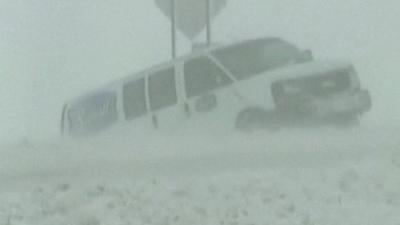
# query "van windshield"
(250, 58)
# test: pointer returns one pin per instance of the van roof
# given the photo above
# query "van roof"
(193, 54)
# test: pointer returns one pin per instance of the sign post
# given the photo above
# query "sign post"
(190, 17)
(173, 28)
(208, 21)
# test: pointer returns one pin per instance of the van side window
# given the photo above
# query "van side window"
(134, 99)
(93, 114)
(203, 75)
(162, 90)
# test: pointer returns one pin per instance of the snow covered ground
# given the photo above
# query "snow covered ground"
(297, 177)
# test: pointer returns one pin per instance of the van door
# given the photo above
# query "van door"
(163, 99)
(210, 99)
(135, 105)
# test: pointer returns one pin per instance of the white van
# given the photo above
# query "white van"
(265, 83)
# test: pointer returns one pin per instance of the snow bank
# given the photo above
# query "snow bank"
(324, 177)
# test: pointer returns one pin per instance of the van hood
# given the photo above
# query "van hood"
(307, 69)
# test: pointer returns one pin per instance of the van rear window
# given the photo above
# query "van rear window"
(93, 114)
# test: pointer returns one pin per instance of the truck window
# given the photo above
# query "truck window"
(162, 90)
(203, 75)
(134, 99)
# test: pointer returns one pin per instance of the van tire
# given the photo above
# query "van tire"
(251, 119)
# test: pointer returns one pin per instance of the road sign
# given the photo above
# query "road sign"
(191, 15)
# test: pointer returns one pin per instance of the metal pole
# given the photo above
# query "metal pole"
(208, 20)
(173, 28)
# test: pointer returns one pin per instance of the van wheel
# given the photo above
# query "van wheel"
(251, 119)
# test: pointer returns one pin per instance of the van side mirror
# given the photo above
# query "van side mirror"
(206, 103)
(306, 55)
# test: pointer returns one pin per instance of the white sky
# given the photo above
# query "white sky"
(51, 50)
